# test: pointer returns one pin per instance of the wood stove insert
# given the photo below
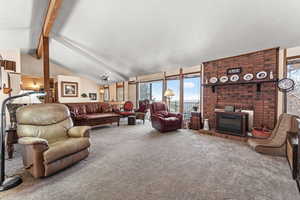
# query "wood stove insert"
(233, 123)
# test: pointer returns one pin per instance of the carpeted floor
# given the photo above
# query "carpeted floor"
(137, 162)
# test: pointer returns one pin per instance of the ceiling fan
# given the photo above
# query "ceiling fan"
(105, 78)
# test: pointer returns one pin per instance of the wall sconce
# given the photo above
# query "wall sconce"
(35, 85)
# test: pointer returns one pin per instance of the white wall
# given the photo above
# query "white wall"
(295, 51)
(84, 86)
(34, 67)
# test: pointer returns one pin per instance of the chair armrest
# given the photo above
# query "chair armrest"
(157, 117)
(32, 141)
(79, 131)
(33, 154)
(178, 115)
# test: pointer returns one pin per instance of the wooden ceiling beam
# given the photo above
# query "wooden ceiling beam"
(52, 13)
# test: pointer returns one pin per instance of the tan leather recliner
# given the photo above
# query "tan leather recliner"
(50, 140)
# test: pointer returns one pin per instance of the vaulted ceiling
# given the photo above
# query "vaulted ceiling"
(136, 37)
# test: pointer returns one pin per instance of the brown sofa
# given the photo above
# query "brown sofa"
(50, 140)
(93, 113)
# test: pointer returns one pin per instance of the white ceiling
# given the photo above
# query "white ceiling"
(20, 23)
(136, 37)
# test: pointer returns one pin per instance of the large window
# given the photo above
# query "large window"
(191, 91)
(174, 85)
(120, 91)
(151, 91)
(293, 97)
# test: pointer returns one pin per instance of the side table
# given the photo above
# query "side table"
(131, 119)
(141, 116)
(11, 139)
(293, 155)
(196, 120)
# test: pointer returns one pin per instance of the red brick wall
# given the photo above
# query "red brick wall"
(244, 96)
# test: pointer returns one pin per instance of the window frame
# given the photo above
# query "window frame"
(150, 82)
(106, 88)
(118, 86)
(287, 60)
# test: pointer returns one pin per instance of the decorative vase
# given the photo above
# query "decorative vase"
(271, 75)
(206, 125)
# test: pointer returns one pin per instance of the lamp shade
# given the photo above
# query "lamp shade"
(169, 93)
(31, 99)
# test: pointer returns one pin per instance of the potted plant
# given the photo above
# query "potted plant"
(195, 108)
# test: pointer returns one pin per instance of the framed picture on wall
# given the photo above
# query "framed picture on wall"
(93, 96)
(69, 89)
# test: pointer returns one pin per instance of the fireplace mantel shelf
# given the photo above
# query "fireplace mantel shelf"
(257, 82)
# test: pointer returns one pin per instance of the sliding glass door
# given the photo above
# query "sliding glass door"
(293, 97)
(174, 85)
(191, 97)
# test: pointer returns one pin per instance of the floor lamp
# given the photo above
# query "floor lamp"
(169, 94)
(6, 184)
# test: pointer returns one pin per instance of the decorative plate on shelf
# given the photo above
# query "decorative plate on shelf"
(213, 80)
(224, 79)
(261, 75)
(234, 78)
(248, 77)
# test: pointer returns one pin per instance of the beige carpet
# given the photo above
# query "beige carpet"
(137, 162)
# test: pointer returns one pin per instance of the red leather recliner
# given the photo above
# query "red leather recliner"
(162, 119)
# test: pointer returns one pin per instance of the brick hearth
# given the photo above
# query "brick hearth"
(244, 96)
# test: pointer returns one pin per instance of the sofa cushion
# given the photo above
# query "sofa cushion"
(106, 108)
(171, 121)
(99, 109)
(65, 147)
(77, 109)
(100, 115)
(92, 108)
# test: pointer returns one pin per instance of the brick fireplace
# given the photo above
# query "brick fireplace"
(261, 98)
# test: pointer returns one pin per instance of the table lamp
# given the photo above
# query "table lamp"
(169, 94)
